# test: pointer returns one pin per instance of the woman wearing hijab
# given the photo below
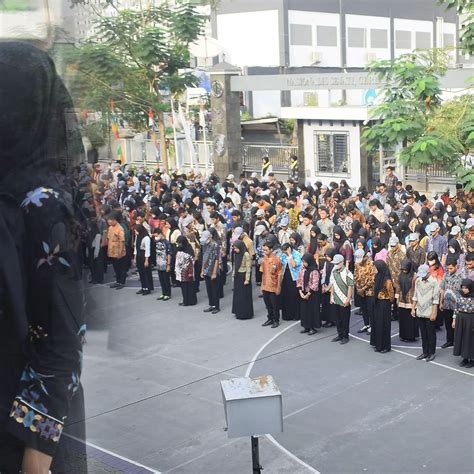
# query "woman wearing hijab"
(291, 262)
(242, 300)
(356, 226)
(184, 269)
(420, 229)
(313, 241)
(296, 242)
(455, 250)
(384, 296)
(384, 233)
(171, 233)
(342, 244)
(409, 217)
(309, 295)
(365, 234)
(393, 219)
(463, 324)
(378, 251)
(42, 325)
(326, 267)
(142, 252)
(222, 272)
(408, 325)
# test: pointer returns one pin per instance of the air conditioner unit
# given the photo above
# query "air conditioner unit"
(316, 57)
(369, 57)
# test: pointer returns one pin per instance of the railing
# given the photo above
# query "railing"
(279, 156)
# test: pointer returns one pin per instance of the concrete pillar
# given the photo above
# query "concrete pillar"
(225, 114)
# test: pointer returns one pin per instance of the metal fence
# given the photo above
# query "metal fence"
(430, 177)
(279, 156)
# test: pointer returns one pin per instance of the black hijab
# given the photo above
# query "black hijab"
(406, 276)
(393, 218)
(383, 274)
(468, 283)
(309, 259)
(238, 257)
(385, 235)
(339, 241)
(376, 246)
(183, 245)
(457, 248)
(34, 147)
(313, 241)
(329, 266)
(298, 240)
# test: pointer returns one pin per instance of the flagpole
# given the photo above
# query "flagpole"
(204, 133)
(173, 116)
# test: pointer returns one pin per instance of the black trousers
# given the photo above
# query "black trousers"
(96, 265)
(343, 316)
(448, 322)
(272, 303)
(165, 282)
(364, 310)
(224, 270)
(146, 277)
(428, 335)
(212, 288)
(258, 273)
(120, 269)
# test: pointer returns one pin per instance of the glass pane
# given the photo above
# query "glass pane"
(326, 35)
(301, 35)
(356, 37)
(340, 153)
(323, 152)
(378, 38)
(403, 39)
(423, 40)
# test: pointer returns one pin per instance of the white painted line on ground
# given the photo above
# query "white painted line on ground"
(395, 335)
(255, 357)
(110, 453)
(270, 437)
(291, 455)
(414, 356)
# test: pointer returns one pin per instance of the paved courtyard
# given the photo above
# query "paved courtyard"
(153, 400)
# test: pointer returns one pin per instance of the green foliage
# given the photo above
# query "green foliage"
(136, 57)
(14, 5)
(412, 114)
(464, 7)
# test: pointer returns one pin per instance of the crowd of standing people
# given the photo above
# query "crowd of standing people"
(315, 252)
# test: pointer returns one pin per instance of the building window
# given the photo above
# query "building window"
(423, 40)
(378, 38)
(448, 40)
(326, 35)
(331, 152)
(356, 37)
(301, 35)
(403, 39)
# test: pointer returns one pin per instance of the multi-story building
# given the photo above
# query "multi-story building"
(328, 36)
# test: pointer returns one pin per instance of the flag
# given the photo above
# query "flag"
(202, 117)
(120, 155)
(187, 135)
(151, 122)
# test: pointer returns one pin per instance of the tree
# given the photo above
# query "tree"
(137, 58)
(465, 8)
(412, 114)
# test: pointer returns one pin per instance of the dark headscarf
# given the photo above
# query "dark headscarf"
(37, 121)
(309, 259)
(385, 236)
(298, 240)
(313, 241)
(394, 217)
(468, 283)
(408, 214)
(183, 245)
(362, 241)
(406, 276)
(215, 235)
(383, 274)
(376, 246)
(142, 232)
(34, 145)
(364, 234)
(457, 248)
(329, 266)
(238, 257)
(339, 241)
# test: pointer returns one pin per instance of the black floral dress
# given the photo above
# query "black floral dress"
(40, 366)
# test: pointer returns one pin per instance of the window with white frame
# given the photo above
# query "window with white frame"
(301, 35)
(331, 152)
(356, 37)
